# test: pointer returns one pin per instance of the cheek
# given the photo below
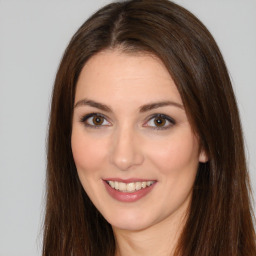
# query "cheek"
(176, 154)
(88, 153)
(176, 161)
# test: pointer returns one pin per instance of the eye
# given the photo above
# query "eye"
(95, 120)
(160, 121)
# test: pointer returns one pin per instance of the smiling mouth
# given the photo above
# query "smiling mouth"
(129, 187)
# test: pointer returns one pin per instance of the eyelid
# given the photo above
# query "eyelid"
(166, 117)
(169, 119)
(84, 118)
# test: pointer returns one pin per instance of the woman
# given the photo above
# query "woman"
(145, 150)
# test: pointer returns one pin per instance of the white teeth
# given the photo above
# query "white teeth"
(130, 187)
(112, 184)
(143, 184)
(116, 185)
(122, 186)
(138, 185)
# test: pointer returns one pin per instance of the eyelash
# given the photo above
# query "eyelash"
(166, 118)
(85, 119)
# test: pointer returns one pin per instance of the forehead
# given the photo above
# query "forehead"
(114, 74)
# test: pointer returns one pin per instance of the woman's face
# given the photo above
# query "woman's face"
(133, 146)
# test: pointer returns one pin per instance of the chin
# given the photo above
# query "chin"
(129, 225)
(130, 221)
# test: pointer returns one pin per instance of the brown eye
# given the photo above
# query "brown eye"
(98, 120)
(159, 121)
(95, 120)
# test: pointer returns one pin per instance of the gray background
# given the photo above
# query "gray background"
(33, 36)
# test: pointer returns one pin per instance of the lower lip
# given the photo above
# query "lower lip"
(128, 197)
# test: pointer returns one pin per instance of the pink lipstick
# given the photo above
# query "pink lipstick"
(129, 190)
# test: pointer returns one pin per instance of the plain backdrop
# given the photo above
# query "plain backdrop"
(33, 36)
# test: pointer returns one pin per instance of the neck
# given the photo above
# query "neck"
(159, 240)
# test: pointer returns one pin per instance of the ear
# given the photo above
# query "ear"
(203, 157)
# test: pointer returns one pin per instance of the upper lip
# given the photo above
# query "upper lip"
(128, 180)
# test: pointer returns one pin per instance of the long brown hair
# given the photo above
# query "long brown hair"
(220, 219)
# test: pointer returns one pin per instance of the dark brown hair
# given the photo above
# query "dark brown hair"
(220, 220)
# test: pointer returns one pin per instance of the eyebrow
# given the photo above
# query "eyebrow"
(86, 102)
(155, 105)
(144, 108)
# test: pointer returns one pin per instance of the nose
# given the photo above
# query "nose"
(126, 151)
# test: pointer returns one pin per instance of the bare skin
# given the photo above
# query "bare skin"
(129, 124)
